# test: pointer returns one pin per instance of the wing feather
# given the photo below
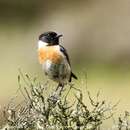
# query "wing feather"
(63, 50)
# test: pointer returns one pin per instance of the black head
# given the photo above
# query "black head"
(51, 38)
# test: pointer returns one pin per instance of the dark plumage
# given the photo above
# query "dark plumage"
(63, 50)
(50, 37)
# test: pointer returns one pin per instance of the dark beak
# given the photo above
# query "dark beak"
(59, 36)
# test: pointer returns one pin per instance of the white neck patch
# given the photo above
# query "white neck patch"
(42, 44)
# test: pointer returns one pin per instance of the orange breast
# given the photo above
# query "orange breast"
(49, 53)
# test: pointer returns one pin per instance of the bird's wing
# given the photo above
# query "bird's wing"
(63, 50)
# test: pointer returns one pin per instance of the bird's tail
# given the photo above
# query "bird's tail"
(73, 75)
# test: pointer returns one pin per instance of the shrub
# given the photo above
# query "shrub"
(42, 111)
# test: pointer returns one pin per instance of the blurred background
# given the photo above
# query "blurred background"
(96, 35)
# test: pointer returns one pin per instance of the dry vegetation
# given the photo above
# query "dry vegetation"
(43, 110)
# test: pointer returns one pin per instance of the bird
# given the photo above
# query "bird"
(54, 59)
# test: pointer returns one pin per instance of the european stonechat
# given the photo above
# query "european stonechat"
(54, 58)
